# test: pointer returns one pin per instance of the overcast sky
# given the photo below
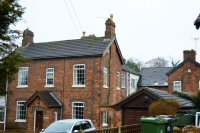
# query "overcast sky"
(145, 29)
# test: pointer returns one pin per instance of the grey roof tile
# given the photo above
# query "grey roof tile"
(154, 76)
(87, 46)
(128, 69)
(184, 103)
(50, 99)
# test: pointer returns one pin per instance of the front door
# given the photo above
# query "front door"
(38, 120)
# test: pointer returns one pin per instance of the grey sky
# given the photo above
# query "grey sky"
(145, 28)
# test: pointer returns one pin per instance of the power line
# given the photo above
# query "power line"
(76, 15)
(71, 17)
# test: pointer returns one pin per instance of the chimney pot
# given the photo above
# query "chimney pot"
(27, 37)
(191, 54)
(83, 34)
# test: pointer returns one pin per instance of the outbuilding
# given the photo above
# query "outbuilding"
(136, 105)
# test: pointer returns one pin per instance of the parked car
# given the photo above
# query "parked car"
(70, 126)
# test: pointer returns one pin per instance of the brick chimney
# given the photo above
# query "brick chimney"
(27, 37)
(110, 28)
(189, 54)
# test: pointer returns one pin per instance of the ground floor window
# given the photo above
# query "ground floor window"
(105, 117)
(78, 110)
(1, 115)
(21, 111)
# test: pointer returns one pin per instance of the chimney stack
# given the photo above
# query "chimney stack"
(191, 54)
(27, 37)
(110, 28)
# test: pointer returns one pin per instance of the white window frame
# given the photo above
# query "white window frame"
(55, 116)
(118, 80)
(77, 106)
(52, 72)
(21, 72)
(75, 84)
(105, 77)
(199, 84)
(123, 80)
(133, 86)
(105, 117)
(179, 89)
(17, 111)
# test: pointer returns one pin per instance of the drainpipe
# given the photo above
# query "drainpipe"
(108, 96)
(5, 108)
(62, 97)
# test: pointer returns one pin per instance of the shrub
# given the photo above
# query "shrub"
(164, 107)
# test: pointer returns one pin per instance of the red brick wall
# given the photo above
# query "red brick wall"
(93, 95)
(189, 81)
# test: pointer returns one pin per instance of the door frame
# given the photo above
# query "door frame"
(35, 110)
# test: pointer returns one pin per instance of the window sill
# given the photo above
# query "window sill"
(118, 88)
(78, 86)
(22, 86)
(49, 86)
(123, 87)
(105, 86)
(20, 120)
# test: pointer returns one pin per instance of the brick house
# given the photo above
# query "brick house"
(132, 78)
(186, 76)
(78, 78)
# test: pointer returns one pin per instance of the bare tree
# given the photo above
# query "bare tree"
(157, 62)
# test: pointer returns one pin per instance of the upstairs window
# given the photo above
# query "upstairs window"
(118, 79)
(177, 86)
(79, 75)
(23, 76)
(21, 111)
(105, 77)
(133, 83)
(78, 110)
(50, 77)
(123, 81)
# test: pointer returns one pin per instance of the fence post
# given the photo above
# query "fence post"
(119, 130)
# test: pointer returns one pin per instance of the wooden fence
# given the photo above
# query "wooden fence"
(135, 128)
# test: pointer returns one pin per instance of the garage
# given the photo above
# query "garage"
(136, 105)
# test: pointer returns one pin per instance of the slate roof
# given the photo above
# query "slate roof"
(182, 63)
(47, 96)
(154, 76)
(197, 22)
(128, 69)
(165, 95)
(156, 94)
(87, 46)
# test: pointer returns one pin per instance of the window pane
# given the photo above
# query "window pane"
(79, 74)
(118, 79)
(23, 76)
(78, 110)
(21, 110)
(50, 76)
(105, 78)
